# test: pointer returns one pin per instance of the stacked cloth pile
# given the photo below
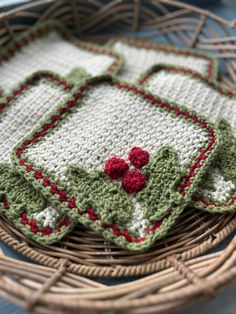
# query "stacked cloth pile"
(121, 137)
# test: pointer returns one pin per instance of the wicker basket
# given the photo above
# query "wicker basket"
(177, 272)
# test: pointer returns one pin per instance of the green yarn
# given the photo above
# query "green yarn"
(214, 62)
(23, 198)
(20, 195)
(113, 204)
(94, 190)
(208, 182)
(163, 177)
(226, 158)
(225, 161)
(97, 191)
(11, 183)
(77, 75)
(56, 25)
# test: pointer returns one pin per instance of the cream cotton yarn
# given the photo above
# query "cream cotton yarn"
(49, 47)
(123, 163)
(20, 112)
(218, 190)
(140, 55)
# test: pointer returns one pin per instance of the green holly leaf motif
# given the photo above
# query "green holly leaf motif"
(106, 197)
(23, 198)
(10, 185)
(226, 157)
(163, 176)
(207, 182)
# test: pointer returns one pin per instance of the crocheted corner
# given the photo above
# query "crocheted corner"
(33, 214)
(29, 211)
(217, 191)
(126, 161)
(140, 56)
(51, 47)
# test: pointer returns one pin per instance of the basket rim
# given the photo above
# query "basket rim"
(210, 282)
(111, 270)
(221, 268)
(116, 271)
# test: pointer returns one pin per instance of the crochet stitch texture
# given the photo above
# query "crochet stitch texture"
(66, 160)
(26, 106)
(218, 190)
(141, 55)
(50, 47)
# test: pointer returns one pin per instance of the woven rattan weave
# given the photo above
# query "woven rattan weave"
(177, 272)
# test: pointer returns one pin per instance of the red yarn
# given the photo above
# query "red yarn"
(116, 167)
(133, 182)
(33, 226)
(46, 231)
(138, 157)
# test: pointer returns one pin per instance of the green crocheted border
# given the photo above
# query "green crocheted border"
(212, 70)
(16, 194)
(46, 181)
(42, 29)
(225, 162)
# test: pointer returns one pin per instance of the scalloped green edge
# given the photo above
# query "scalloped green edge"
(218, 207)
(59, 27)
(197, 52)
(10, 213)
(97, 225)
(95, 190)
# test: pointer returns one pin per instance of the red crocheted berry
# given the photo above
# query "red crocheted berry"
(138, 157)
(133, 182)
(116, 168)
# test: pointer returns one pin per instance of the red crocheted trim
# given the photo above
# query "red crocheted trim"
(43, 30)
(207, 203)
(188, 72)
(10, 100)
(45, 231)
(32, 223)
(198, 76)
(31, 82)
(117, 232)
(210, 66)
(66, 109)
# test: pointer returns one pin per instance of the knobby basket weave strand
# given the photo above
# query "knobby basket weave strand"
(179, 276)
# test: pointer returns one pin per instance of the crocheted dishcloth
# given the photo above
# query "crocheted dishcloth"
(128, 163)
(26, 106)
(218, 190)
(49, 46)
(140, 55)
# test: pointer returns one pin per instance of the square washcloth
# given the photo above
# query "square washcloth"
(50, 47)
(26, 106)
(119, 157)
(140, 55)
(218, 189)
